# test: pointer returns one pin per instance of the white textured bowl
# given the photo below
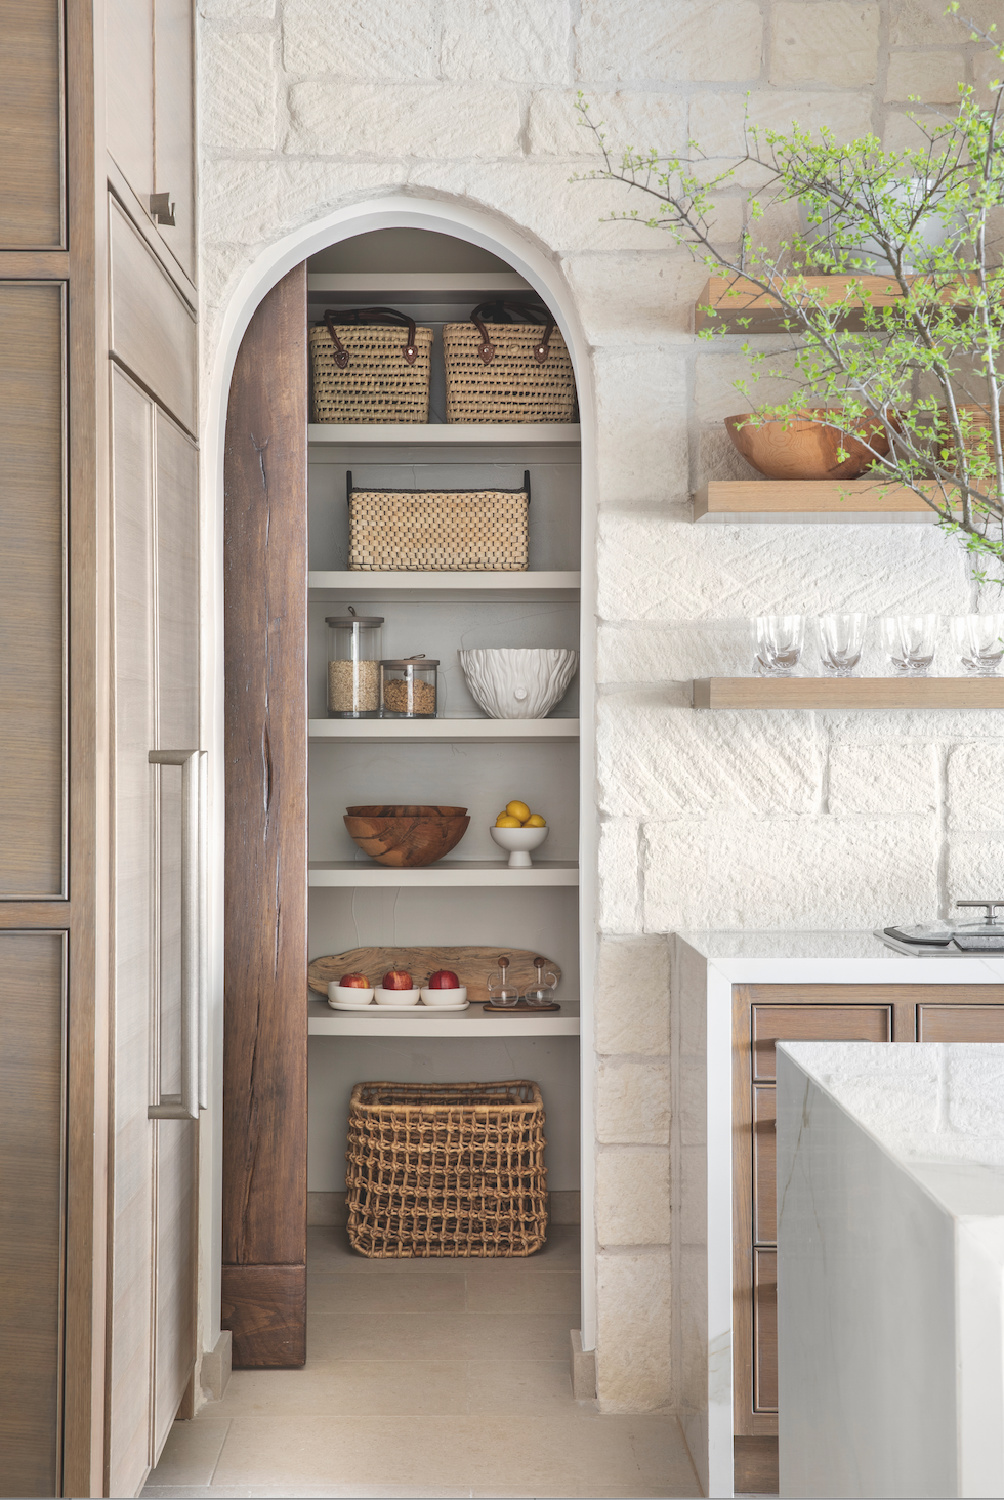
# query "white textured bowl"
(519, 842)
(396, 997)
(347, 994)
(446, 998)
(512, 683)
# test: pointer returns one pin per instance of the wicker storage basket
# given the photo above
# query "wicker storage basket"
(433, 531)
(507, 372)
(451, 1169)
(365, 369)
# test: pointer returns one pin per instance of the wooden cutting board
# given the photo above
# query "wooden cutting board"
(471, 966)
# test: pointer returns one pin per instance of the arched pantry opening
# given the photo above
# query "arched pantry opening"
(295, 887)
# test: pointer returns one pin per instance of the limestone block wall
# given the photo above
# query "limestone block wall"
(718, 819)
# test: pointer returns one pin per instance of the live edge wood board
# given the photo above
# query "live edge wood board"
(849, 692)
(265, 942)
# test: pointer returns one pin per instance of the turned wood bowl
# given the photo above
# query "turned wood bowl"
(407, 837)
(807, 447)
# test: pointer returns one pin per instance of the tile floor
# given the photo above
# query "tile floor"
(425, 1378)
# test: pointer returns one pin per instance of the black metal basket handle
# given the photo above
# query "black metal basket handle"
(355, 316)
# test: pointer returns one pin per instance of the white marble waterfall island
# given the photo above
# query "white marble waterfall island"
(891, 1269)
(734, 996)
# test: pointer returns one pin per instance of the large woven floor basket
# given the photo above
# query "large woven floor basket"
(446, 1169)
(513, 387)
(377, 384)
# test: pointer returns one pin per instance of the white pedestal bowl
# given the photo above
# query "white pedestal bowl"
(517, 683)
(519, 842)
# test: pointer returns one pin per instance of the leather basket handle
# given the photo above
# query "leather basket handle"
(355, 316)
(533, 315)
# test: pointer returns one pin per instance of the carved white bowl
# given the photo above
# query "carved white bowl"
(512, 683)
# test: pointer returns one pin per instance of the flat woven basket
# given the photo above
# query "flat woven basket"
(377, 383)
(439, 531)
(446, 1169)
(512, 383)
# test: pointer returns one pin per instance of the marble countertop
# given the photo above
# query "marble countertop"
(831, 957)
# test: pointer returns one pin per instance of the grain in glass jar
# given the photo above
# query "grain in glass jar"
(354, 665)
(408, 688)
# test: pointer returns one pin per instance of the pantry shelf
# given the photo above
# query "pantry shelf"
(809, 501)
(439, 588)
(441, 731)
(477, 434)
(416, 286)
(471, 1023)
(448, 872)
(849, 692)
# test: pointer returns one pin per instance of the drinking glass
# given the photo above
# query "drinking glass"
(909, 642)
(777, 643)
(979, 640)
(841, 641)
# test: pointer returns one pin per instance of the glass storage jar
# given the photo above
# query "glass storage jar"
(353, 665)
(408, 688)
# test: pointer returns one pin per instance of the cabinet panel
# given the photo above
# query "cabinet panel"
(153, 331)
(32, 192)
(960, 1023)
(814, 1023)
(765, 1164)
(128, 54)
(174, 135)
(32, 1092)
(765, 1330)
(32, 546)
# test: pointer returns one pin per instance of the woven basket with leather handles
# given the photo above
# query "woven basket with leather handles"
(364, 370)
(507, 372)
(451, 1169)
(439, 531)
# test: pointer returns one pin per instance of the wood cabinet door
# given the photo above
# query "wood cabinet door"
(960, 1023)
(174, 125)
(129, 98)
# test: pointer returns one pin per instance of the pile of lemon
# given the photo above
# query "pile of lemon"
(518, 815)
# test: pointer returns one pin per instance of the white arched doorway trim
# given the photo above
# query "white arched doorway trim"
(501, 238)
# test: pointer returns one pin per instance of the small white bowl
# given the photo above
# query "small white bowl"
(519, 842)
(444, 997)
(347, 994)
(396, 997)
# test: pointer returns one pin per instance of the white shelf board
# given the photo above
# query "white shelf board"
(473, 1022)
(441, 731)
(351, 874)
(414, 286)
(513, 434)
(440, 588)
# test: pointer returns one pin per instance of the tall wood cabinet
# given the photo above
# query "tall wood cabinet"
(99, 667)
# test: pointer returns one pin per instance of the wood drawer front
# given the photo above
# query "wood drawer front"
(153, 331)
(32, 198)
(765, 1164)
(765, 1330)
(960, 1023)
(813, 1023)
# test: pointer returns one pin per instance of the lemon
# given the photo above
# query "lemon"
(518, 810)
(504, 821)
(535, 821)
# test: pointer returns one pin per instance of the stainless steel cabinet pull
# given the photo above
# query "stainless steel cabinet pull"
(185, 1105)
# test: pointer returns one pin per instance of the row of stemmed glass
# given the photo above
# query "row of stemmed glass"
(909, 642)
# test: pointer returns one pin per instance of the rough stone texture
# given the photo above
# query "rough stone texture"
(632, 1103)
(708, 819)
(835, 41)
(634, 1331)
(632, 1197)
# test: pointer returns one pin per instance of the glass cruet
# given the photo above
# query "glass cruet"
(541, 992)
(500, 991)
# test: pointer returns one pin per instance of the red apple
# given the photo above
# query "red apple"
(444, 979)
(397, 979)
(354, 982)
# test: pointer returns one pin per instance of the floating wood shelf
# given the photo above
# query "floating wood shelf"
(408, 434)
(740, 307)
(471, 1023)
(441, 731)
(849, 692)
(441, 588)
(465, 872)
(830, 501)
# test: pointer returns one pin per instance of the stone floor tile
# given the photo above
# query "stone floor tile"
(387, 1294)
(579, 1454)
(519, 1385)
(412, 1452)
(523, 1289)
(190, 1453)
(437, 1336)
(350, 1387)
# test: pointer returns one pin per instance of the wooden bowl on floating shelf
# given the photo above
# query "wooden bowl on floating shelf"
(405, 837)
(808, 447)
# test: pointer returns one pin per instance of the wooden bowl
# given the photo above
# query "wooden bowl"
(807, 447)
(407, 837)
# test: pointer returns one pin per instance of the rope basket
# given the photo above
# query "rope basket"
(362, 372)
(439, 531)
(499, 374)
(446, 1169)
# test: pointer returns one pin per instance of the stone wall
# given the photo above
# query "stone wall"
(717, 819)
